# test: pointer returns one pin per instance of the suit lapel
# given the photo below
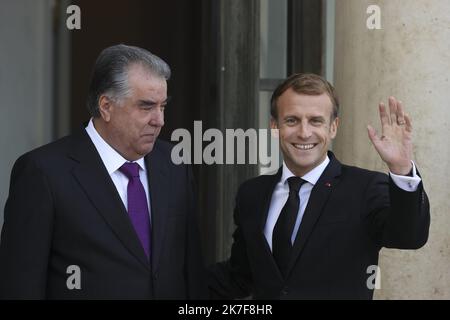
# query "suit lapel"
(317, 200)
(267, 197)
(94, 179)
(159, 190)
(264, 198)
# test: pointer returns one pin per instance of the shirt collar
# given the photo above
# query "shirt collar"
(311, 177)
(110, 157)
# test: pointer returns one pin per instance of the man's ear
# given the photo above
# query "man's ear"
(273, 123)
(274, 127)
(333, 127)
(105, 105)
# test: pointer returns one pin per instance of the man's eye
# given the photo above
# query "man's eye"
(290, 121)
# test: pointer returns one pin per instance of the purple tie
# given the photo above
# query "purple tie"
(137, 204)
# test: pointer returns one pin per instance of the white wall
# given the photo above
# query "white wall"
(25, 82)
(408, 58)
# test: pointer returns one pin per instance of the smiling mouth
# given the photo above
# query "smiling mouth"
(304, 146)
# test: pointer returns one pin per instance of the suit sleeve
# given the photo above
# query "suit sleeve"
(195, 271)
(26, 234)
(397, 218)
(231, 279)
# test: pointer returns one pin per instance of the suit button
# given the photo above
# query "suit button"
(285, 291)
(155, 276)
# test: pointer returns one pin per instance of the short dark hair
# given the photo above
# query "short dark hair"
(305, 83)
(110, 73)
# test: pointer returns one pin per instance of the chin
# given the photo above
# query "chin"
(146, 149)
(303, 165)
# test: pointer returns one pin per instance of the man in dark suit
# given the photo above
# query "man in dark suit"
(314, 229)
(104, 213)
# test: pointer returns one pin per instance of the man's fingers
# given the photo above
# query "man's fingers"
(373, 135)
(400, 114)
(393, 110)
(408, 123)
(384, 117)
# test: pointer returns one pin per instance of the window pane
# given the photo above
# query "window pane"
(273, 28)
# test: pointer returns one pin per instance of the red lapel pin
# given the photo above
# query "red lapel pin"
(328, 184)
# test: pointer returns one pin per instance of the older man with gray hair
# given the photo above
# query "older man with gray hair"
(104, 213)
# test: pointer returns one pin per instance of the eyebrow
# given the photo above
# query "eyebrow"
(152, 103)
(310, 118)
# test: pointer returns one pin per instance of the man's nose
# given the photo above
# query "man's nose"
(304, 131)
(157, 118)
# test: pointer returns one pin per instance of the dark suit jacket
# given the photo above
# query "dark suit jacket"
(63, 209)
(351, 214)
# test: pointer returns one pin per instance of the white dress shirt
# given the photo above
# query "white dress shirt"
(113, 161)
(281, 194)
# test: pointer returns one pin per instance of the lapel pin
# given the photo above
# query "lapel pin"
(328, 184)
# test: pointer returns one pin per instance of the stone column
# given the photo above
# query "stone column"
(408, 58)
(26, 82)
(238, 96)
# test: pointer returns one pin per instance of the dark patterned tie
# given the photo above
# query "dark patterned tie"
(282, 232)
(137, 204)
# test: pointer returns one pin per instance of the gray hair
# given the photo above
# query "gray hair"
(110, 74)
